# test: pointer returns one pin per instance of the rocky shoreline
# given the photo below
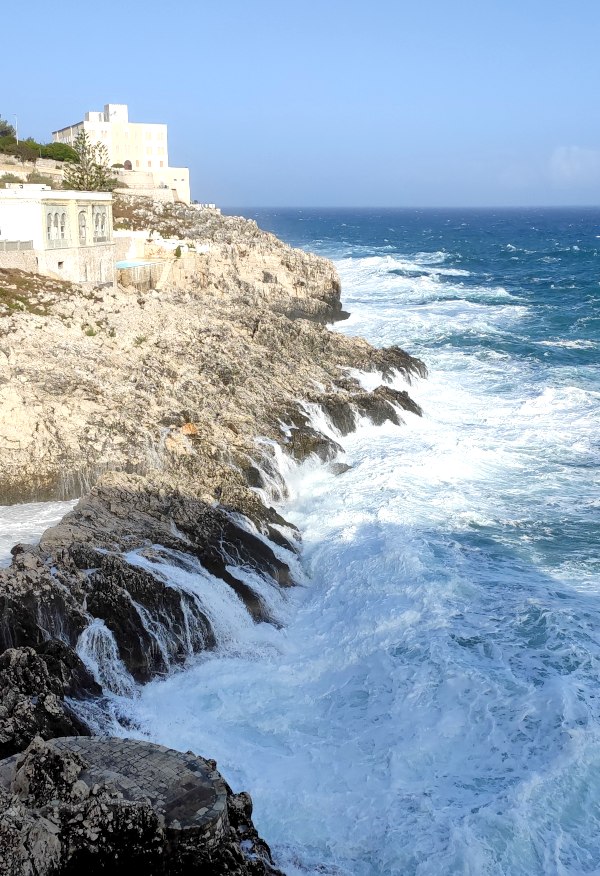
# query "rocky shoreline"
(150, 406)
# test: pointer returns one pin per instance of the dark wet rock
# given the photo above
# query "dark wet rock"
(56, 589)
(32, 692)
(62, 814)
(398, 397)
(378, 406)
(306, 441)
(339, 468)
(132, 602)
(66, 666)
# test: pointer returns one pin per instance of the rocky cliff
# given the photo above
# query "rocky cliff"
(149, 405)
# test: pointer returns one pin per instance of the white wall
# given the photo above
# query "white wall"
(22, 220)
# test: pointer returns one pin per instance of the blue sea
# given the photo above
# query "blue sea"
(431, 703)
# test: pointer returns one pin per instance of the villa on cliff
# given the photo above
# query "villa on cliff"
(62, 234)
(141, 148)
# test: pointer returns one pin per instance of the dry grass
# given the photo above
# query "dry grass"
(29, 293)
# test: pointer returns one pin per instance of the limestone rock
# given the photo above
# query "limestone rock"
(32, 691)
(56, 819)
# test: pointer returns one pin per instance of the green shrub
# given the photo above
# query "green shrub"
(6, 143)
(6, 129)
(24, 151)
(178, 252)
(10, 178)
(59, 152)
(40, 179)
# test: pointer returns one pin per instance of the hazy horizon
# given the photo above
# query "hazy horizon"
(392, 104)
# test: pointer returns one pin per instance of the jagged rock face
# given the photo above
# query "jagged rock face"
(150, 404)
(81, 570)
(52, 823)
(175, 381)
(33, 686)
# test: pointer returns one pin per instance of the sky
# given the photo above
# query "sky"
(330, 102)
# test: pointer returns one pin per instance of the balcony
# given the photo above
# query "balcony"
(61, 243)
(15, 245)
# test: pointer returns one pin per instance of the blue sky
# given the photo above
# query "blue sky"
(330, 102)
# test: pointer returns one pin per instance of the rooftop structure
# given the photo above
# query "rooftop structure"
(138, 146)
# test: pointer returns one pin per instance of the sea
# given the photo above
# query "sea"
(430, 702)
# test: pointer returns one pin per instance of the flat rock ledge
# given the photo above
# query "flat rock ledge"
(75, 804)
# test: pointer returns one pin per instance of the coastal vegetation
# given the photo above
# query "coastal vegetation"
(91, 171)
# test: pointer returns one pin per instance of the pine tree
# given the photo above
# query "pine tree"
(91, 173)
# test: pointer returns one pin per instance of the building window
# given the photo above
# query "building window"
(149, 164)
(161, 163)
(100, 224)
(137, 164)
(63, 225)
(55, 227)
(49, 226)
(82, 227)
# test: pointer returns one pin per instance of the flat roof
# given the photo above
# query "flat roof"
(25, 194)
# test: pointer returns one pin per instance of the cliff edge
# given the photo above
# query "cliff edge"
(163, 410)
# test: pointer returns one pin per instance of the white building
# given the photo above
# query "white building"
(138, 146)
(63, 234)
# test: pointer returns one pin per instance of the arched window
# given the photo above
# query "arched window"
(97, 224)
(82, 227)
(127, 165)
(103, 224)
(55, 227)
(49, 226)
(63, 225)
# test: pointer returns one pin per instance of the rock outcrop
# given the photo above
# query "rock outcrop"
(149, 405)
(179, 381)
(64, 812)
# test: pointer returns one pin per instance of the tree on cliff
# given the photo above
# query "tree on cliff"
(91, 172)
(6, 129)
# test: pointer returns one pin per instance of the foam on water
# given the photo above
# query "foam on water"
(26, 523)
(430, 705)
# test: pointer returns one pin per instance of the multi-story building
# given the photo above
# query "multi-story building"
(63, 234)
(137, 146)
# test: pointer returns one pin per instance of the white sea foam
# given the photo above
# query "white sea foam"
(430, 704)
(570, 344)
(26, 523)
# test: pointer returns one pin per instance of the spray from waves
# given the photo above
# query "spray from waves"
(430, 705)
(26, 523)
(98, 650)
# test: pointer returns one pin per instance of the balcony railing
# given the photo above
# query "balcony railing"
(15, 245)
(104, 238)
(61, 243)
